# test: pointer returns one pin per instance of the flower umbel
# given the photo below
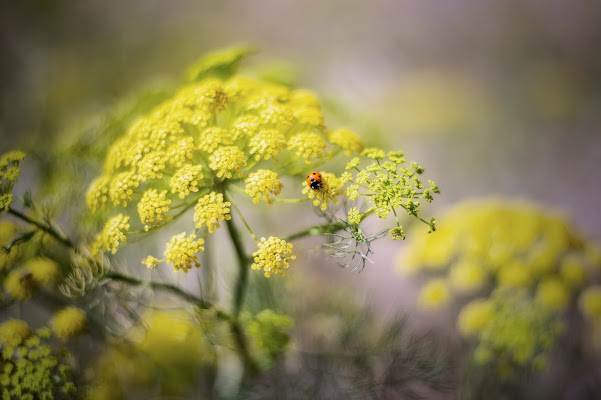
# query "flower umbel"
(273, 256)
(114, 232)
(263, 183)
(226, 160)
(347, 140)
(210, 210)
(181, 251)
(153, 208)
(329, 191)
(68, 322)
(186, 180)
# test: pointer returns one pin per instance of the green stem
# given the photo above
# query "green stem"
(242, 282)
(315, 231)
(291, 201)
(52, 231)
(240, 293)
(243, 219)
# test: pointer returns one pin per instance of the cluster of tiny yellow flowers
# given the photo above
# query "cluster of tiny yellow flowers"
(267, 144)
(114, 232)
(226, 160)
(308, 145)
(186, 180)
(30, 369)
(210, 210)
(511, 330)
(68, 323)
(273, 256)
(153, 208)
(494, 249)
(122, 188)
(261, 184)
(354, 216)
(151, 262)
(389, 185)
(331, 188)
(9, 175)
(181, 252)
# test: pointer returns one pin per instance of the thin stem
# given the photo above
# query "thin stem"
(243, 219)
(52, 231)
(315, 231)
(290, 201)
(167, 287)
(242, 282)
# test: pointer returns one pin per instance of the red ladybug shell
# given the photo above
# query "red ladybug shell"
(314, 180)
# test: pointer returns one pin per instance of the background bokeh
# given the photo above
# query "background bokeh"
(492, 97)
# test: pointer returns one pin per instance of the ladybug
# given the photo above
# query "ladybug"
(314, 180)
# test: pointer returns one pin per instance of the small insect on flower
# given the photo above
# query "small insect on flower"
(314, 180)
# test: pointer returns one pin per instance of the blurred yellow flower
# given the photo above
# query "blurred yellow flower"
(515, 274)
(434, 294)
(43, 270)
(474, 316)
(13, 332)
(347, 140)
(589, 303)
(68, 323)
(552, 293)
(466, 276)
(572, 271)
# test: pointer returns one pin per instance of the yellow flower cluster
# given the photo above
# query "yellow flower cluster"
(329, 191)
(273, 256)
(499, 249)
(347, 140)
(181, 251)
(261, 184)
(308, 145)
(122, 188)
(354, 216)
(153, 208)
(227, 160)
(114, 232)
(186, 180)
(68, 323)
(212, 137)
(23, 282)
(267, 144)
(9, 175)
(210, 210)
(13, 332)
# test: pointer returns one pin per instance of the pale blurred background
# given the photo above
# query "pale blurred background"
(492, 97)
